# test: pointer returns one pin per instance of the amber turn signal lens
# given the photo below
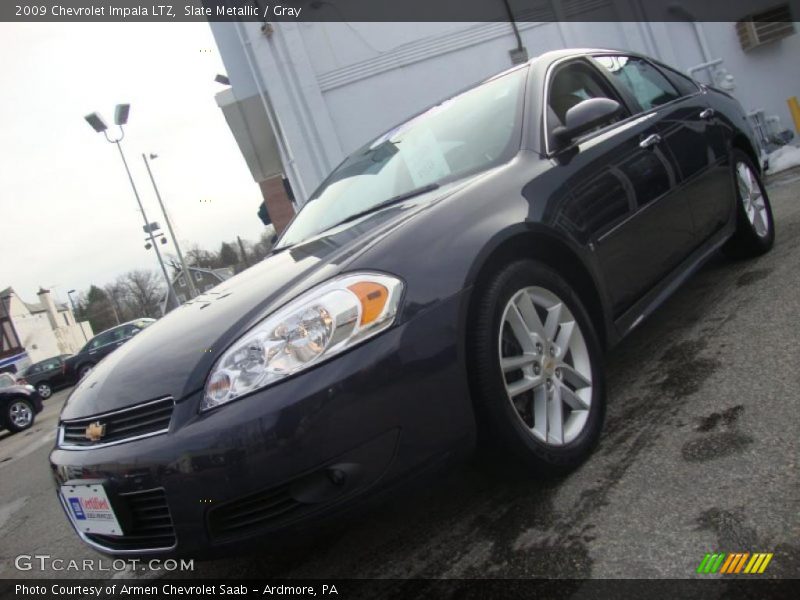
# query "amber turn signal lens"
(373, 298)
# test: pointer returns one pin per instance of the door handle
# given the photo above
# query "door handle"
(650, 140)
(707, 113)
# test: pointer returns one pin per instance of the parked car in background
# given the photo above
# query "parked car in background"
(456, 279)
(47, 376)
(96, 349)
(19, 404)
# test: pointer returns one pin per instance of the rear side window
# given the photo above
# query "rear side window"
(644, 82)
(102, 340)
(685, 84)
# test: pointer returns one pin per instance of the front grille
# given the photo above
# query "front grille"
(257, 510)
(119, 426)
(146, 522)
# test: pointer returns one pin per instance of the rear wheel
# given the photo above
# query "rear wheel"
(536, 368)
(44, 390)
(755, 230)
(84, 371)
(19, 415)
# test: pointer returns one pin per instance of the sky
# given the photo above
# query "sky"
(69, 215)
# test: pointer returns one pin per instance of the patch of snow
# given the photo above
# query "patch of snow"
(783, 158)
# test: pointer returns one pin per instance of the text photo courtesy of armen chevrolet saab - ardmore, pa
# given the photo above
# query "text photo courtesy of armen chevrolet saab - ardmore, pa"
(399, 300)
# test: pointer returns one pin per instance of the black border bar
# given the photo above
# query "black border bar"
(389, 10)
(730, 588)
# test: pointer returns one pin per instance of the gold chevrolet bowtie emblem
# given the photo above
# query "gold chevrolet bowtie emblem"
(95, 431)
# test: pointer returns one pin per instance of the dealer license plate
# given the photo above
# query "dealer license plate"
(90, 510)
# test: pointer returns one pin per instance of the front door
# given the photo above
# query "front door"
(622, 189)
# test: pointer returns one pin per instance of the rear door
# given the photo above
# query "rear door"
(686, 129)
(622, 183)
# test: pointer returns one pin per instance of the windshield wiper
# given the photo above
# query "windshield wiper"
(393, 200)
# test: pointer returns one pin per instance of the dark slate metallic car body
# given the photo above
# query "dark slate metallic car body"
(400, 402)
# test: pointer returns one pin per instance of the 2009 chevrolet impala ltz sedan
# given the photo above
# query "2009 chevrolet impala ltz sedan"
(457, 278)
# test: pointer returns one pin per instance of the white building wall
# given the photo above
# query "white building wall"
(36, 335)
(333, 86)
(39, 338)
(766, 76)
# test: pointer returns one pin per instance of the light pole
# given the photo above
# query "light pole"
(74, 312)
(120, 119)
(184, 267)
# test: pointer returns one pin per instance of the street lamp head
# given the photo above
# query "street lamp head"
(121, 113)
(153, 156)
(97, 122)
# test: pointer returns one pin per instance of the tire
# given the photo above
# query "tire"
(84, 370)
(44, 389)
(521, 426)
(755, 228)
(19, 415)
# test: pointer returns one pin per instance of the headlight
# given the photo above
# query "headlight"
(312, 328)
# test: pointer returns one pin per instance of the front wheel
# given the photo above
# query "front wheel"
(755, 229)
(19, 415)
(536, 368)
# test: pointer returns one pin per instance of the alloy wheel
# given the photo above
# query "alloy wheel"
(44, 390)
(20, 414)
(752, 199)
(546, 365)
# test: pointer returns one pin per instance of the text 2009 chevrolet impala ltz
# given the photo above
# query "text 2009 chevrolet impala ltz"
(463, 271)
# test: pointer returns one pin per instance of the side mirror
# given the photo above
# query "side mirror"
(585, 116)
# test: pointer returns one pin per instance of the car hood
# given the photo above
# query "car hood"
(173, 356)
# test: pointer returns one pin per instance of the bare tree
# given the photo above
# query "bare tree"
(263, 246)
(198, 257)
(119, 300)
(145, 292)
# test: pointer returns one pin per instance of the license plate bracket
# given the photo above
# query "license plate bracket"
(90, 509)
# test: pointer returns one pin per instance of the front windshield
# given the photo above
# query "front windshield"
(466, 134)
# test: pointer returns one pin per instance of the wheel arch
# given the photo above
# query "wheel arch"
(85, 363)
(741, 142)
(548, 248)
(5, 404)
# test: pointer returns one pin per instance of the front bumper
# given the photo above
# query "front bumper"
(293, 453)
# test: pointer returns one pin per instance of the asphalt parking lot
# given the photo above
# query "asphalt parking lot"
(699, 454)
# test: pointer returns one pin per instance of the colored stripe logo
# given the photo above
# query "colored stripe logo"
(735, 563)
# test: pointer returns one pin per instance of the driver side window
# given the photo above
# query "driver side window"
(571, 84)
